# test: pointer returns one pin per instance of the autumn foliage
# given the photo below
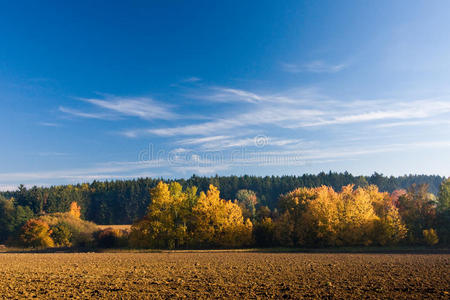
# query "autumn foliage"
(180, 218)
(322, 216)
(58, 230)
(305, 217)
(75, 210)
(36, 233)
(177, 219)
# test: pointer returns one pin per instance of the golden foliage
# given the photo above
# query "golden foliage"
(165, 224)
(219, 222)
(322, 216)
(308, 217)
(75, 210)
(178, 218)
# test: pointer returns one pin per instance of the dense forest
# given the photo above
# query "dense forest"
(125, 201)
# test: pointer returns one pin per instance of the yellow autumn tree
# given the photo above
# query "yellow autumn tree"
(356, 216)
(218, 222)
(166, 222)
(75, 210)
(321, 217)
(296, 201)
(388, 229)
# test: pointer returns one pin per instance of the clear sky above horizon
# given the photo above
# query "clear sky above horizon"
(123, 89)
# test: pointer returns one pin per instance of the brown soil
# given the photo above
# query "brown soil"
(237, 275)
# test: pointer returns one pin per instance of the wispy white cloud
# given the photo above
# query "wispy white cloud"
(180, 150)
(266, 115)
(414, 123)
(86, 115)
(314, 155)
(226, 94)
(201, 170)
(195, 141)
(113, 107)
(317, 66)
(145, 108)
(226, 142)
(398, 111)
(191, 79)
(49, 124)
(194, 129)
(229, 94)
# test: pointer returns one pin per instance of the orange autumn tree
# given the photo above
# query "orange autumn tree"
(36, 233)
(75, 210)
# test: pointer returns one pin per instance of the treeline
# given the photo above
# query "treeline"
(124, 201)
(305, 217)
(184, 218)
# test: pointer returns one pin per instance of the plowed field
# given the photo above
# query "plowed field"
(236, 275)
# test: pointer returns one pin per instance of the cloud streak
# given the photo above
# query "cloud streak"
(113, 107)
(222, 94)
(86, 115)
(144, 108)
(218, 143)
(317, 66)
(49, 124)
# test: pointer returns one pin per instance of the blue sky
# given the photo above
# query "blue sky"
(114, 89)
